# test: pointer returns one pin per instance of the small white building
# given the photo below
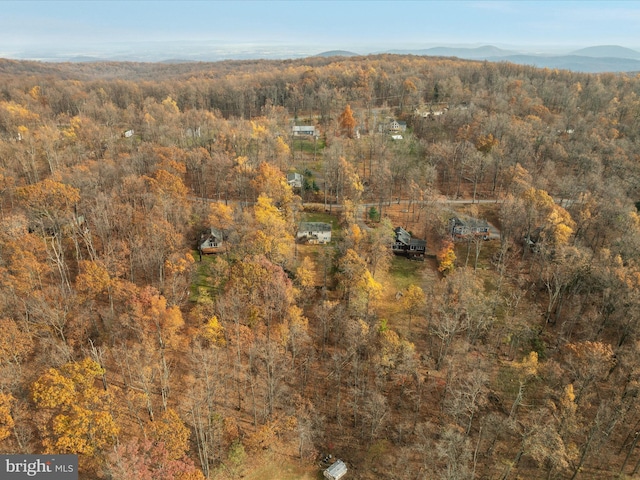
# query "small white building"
(295, 180)
(314, 232)
(392, 126)
(336, 471)
(306, 130)
(211, 241)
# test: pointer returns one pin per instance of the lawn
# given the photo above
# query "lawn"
(272, 466)
(308, 146)
(404, 272)
(203, 278)
(277, 469)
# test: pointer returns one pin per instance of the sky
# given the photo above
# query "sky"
(361, 26)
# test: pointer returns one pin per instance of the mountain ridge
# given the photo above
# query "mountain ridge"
(614, 51)
(594, 59)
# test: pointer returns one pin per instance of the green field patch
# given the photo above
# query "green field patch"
(404, 272)
(308, 145)
(207, 277)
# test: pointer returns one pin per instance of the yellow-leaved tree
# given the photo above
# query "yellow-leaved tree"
(359, 287)
(220, 216)
(546, 219)
(76, 414)
(6, 420)
(414, 302)
(170, 430)
(273, 237)
(446, 257)
(212, 331)
(306, 277)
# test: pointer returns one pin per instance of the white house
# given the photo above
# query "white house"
(469, 227)
(336, 471)
(393, 126)
(314, 232)
(396, 126)
(299, 130)
(211, 241)
(295, 180)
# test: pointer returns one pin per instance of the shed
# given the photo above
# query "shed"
(336, 471)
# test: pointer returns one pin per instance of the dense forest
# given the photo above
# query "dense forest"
(516, 357)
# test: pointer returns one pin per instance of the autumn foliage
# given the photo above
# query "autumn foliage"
(514, 357)
(446, 257)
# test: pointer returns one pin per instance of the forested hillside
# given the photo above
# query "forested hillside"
(515, 357)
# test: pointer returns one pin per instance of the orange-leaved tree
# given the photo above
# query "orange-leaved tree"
(347, 122)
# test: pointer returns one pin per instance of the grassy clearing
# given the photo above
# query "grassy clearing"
(271, 466)
(465, 250)
(307, 146)
(278, 469)
(404, 272)
(323, 217)
(204, 275)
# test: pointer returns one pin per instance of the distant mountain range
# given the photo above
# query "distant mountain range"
(478, 53)
(604, 58)
(337, 53)
(596, 59)
(603, 51)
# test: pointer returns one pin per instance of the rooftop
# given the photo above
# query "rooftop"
(336, 471)
(315, 227)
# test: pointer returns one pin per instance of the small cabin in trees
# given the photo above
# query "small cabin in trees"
(314, 232)
(393, 126)
(396, 126)
(408, 246)
(463, 228)
(336, 471)
(296, 180)
(534, 239)
(304, 130)
(211, 241)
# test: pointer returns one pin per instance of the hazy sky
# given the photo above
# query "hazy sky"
(349, 25)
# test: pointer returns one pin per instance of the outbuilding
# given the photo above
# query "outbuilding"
(336, 471)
